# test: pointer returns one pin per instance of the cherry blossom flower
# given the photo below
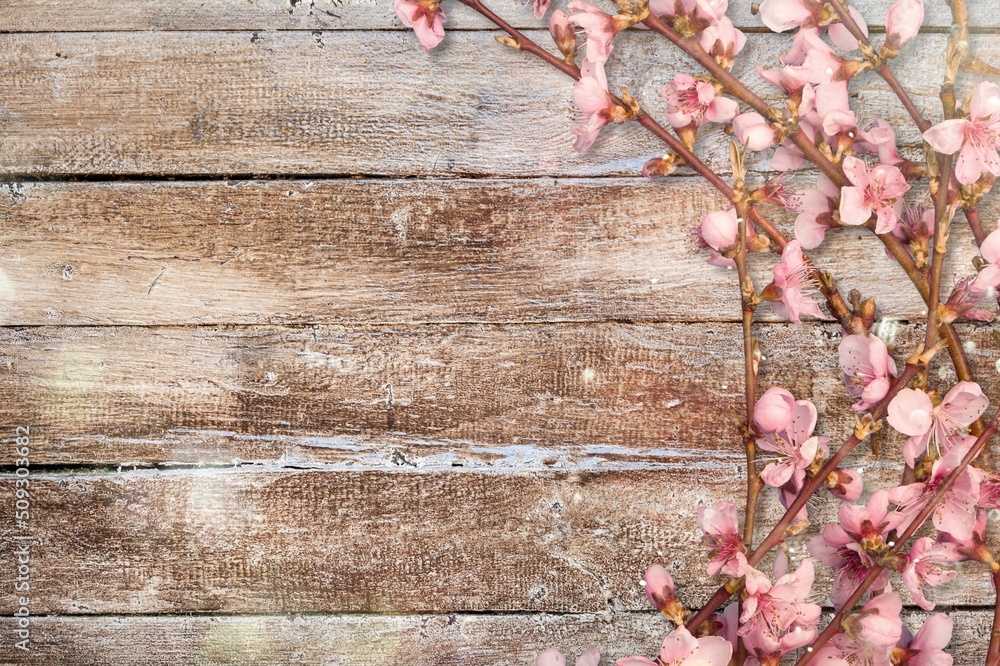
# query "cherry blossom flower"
(879, 138)
(660, 593)
(845, 484)
(777, 618)
(902, 23)
(925, 564)
(879, 191)
(845, 546)
(869, 635)
(927, 647)
(916, 229)
(793, 286)
(783, 15)
(794, 446)
(969, 292)
(867, 366)
(973, 548)
(773, 411)
(956, 512)
(600, 28)
(975, 138)
(540, 7)
(426, 19)
(722, 536)
(815, 218)
(753, 131)
(562, 34)
(913, 413)
(691, 102)
(680, 648)
(720, 231)
(590, 95)
(722, 41)
(699, 14)
(553, 657)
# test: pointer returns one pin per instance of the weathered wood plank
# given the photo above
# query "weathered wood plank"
(280, 541)
(90, 15)
(242, 103)
(580, 396)
(345, 251)
(422, 640)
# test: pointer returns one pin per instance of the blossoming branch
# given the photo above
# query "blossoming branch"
(851, 174)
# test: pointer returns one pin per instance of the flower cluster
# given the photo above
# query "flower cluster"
(861, 180)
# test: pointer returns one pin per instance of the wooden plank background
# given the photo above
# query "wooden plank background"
(334, 353)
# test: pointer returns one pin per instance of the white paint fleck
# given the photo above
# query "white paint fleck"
(589, 374)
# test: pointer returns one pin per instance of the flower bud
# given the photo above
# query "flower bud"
(563, 34)
(901, 25)
(720, 229)
(773, 411)
(661, 166)
(753, 131)
(550, 657)
(660, 592)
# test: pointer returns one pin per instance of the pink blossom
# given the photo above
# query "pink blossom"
(590, 95)
(720, 231)
(426, 19)
(845, 484)
(877, 626)
(879, 191)
(540, 7)
(816, 206)
(680, 648)
(925, 565)
(722, 536)
(844, 546)
(777, 618)
(974, 548)
(793, 285)
(867, 366)
(913, 413)
(927, 647)
(722, 41)
(956, 512)
(690, 102)
(660, 593)
(794, 447)
(753, 131)
(703, 13)
(773, 411)
(969, 292)
(902, 23)
(553, 657)
(782, 15)
(975, 138)
(990, 249)
(600, 29)
(562, 33)
(879, 138)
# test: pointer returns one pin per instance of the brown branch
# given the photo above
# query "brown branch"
(834, 627)
(993, 653)
(942, 220)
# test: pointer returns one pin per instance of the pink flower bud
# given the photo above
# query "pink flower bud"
(774, 410)
(902, 23)
(720, 229)
(563, 34)
(753, 131)
(660, 166)
(660, 592)
(550, 657)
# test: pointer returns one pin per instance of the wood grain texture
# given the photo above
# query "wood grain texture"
(320, 541)
(421, 640)
(579, 396)
(199, 103)
(91, 15)
(375, 251)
